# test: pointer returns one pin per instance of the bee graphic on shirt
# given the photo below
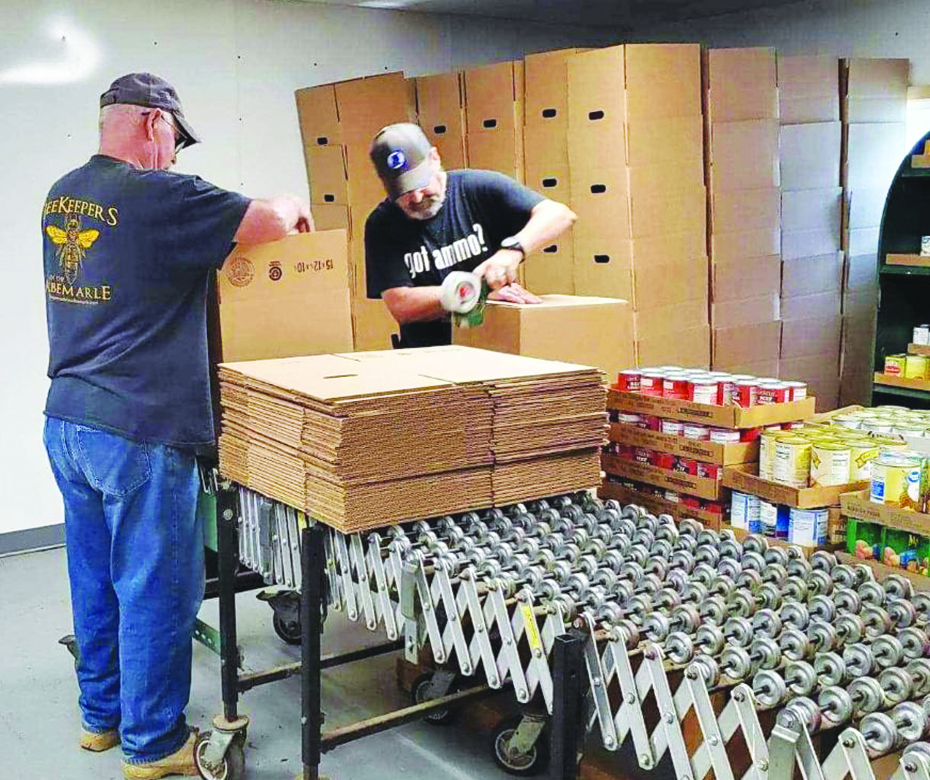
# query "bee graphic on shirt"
(73, 244)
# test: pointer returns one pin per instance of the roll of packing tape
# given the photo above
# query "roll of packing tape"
(460, 292)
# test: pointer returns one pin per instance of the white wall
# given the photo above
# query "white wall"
(236, 64)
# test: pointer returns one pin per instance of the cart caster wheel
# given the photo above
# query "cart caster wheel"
(526, 764)
(419, 692)
(287, 630)
(232, 766)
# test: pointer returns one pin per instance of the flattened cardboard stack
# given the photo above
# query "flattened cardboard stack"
(362, 440)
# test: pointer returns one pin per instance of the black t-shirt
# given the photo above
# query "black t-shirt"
(481, 209)
(128, 258)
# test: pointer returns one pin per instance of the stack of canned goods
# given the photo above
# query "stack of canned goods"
(687, 430)
(908, 366)
(693, 502)
(715, 388)
(805, 527)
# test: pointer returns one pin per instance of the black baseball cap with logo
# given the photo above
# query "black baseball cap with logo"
(146, 89)
(400, 153)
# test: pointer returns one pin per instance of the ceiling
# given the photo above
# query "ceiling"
(625, 14)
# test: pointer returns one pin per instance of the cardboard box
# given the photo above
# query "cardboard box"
(821, 304)
(596, 107)
(682, 210)
(864, 208)
(810, 156)
(731, 247)
(552, 270)
(585, 331)
(372, 325)
(808, 89)
(494, 98)
(856, 110)
(809, 243)
(706, 451)
(326, 167)
(858, 505)
(662, 284)
(802, 111)
(741, 84)
(745, 479)
(876, 78)
(330, 216)
(318, 116)
(744, 155)
(741, 210)
(746, 311)
(658, 505)
(546, 89)
(497, 150)
(863, 241)
(602, 267)
(873, 153)
(687, 348)
(669, 247)
(819, 210)
(750, 277)
(678, 140)
(770, 367)
(659, 180)
(821, 372)
(662, 80)
(368, 104)
(702, 487)
(861, 272)
(266, 290)
(718, 416)
(441, 114)
(747, 343)
(670, 319)
(812, 275)
(546, 163)
(811, 336)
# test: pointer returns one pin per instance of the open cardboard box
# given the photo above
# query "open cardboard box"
(658, 505)
(746, 479)
(857, 505)
(900, 381)
(702, 487)
(742, 533)
(719, 416)
(705, 451)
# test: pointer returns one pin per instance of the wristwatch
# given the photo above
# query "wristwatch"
(514, 245)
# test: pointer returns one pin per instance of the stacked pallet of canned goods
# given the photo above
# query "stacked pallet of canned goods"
(674, 432)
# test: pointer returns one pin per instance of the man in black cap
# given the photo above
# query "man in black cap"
(434, 222)
(129, 252)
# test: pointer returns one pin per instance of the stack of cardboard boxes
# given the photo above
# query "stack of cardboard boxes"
(635, 149)
(741, 115)
(874, 108)
(811, 207)
(494, 118)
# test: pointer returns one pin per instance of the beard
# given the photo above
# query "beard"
(430, 205)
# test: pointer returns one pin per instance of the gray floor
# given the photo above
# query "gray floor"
(39, 722)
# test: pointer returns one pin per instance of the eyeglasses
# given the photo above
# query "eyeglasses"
(180, 140)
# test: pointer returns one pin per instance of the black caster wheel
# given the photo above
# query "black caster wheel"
(287, 630)
(419, 692)
(231, 768)
(534, 761)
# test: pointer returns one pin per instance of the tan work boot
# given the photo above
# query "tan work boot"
(181, 762)
(98, 741)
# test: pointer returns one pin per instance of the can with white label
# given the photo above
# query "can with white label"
(792, 462)
(830, 464)
(808, 527)
(739, 508)
(696, 431)
(922, 335)
(753, 520)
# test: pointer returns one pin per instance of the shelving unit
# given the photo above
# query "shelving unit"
(904, 289)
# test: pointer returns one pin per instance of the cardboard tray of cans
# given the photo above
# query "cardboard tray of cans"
(895, 380)
(702, 487)
(658, 505)
(857, 505)
(710, 414)
(918, 349)
(745, 479)
(742, 533)
(683, 447)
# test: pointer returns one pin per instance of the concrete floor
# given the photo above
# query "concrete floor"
(39, 720)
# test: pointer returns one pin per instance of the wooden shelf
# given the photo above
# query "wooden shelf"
(905, 270)
(890, 380)
(911, 261)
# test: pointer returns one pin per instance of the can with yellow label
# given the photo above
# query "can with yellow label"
(767, 453)
(916, 367)
(861, 455)
(830, 464)
(897, 481)
(792, 462)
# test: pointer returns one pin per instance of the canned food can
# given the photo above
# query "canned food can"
(897, 481)
(671, 495)
(696, 432)
(673, 427)
(714, 507)
(726, 390)
(643, 455)
(861, 455)
(746, 393)
(915, 367)
(704, 391)
(708, 470)
(739, 507)
(925, 246)
(850, 421)
(883, 408)
(724, 436)
(890, 444)
(798, 390)
(652, 422)
(798, 425)
(768, 393)
(877, 427)
(686, 466)
(675, 385)
(626, 452)
(626, 418)
(664, 460)
(753, 521)
(808, 527)
(768, 517)
(650, 383)
(895, 364)
(692, 501)
(830, 464)
(628, 381)
(767, 454)
(792, 462)
(921, 335)
(915, 431)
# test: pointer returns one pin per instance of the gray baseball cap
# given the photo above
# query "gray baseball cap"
(400, 154)
(146, 89)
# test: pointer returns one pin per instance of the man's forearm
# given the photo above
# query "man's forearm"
(548, 221)
(414, 304)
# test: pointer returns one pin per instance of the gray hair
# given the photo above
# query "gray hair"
(118, 112)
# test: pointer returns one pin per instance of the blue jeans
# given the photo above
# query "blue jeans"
(135, 561)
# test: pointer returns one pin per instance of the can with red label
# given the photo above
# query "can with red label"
(726, 390)
(708, 470)
(664, 460)
(628, 381)
(650, 383)
(750, 434)
(626, 452)
(687, 466)
(696, 432)
(704, 391)
(712, 506)
(768, 393)
(746, 393)
(651, 422)
(691, 501)
(673, 427)
(642, 455)
(675, 385)
(724, 436)
(798, 390)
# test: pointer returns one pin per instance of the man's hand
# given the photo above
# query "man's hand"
(304, 222)
(500, 269)
(514, 293)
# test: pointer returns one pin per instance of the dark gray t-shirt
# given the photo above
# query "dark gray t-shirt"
(481, 209)
(129, 255)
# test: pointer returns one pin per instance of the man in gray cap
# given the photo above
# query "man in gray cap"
(434, 222)
(130, 250)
